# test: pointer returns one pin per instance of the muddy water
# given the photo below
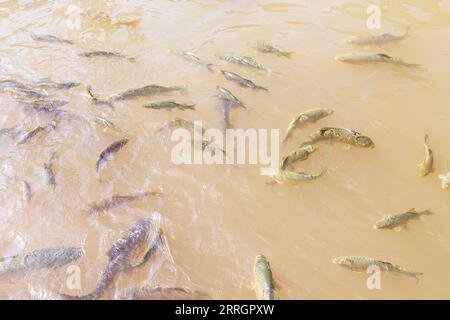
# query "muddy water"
(217, 218)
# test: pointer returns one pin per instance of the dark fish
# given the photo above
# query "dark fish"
(126, 253)
(143, 92)
(345, 135)
(40, 259)
(111, 149)
(29, 135)
(43, 104)
(46, 83)
(118, 200)
(106, 54)
(51, 39)
(49, 173)
(161, 293)
(169, 105)
(234, 77)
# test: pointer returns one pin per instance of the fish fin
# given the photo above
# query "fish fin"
(209, 67)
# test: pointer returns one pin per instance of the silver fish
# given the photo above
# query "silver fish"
(243, 60)
(53, 257)
(234, 77)
(365, 57)
(225, 94)
(361, 263)
(264, 47)
(193, 58)
(169, 105)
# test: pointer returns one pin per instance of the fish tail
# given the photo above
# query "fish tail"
(287, 54)
(414, 275)
(426, 212)
(262, 88)
(97, 165)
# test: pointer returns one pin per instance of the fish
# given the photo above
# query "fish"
(105, 54)
(26, 188)
(394, 221)
(193, 58)
(51, 39)
(144, 91)
(149, 292)
(169, 105)
(49, 84)
(267, 48)
(49, 173)
(279, 176)
(209, 146)
(242, 60)
(445, 178)
(105, 123)
(96, 100)
(234, 77)
(11, 83)
(181, 123)
(361, 263)
(310, 115)
(27, 93)
(376, 39)
(263, 280)
(226, 116)
(43, 104)
(178, 122)
(225, 94)
(110, 150)
(298, 154)
(118, 200)
(47, 258)
(125, 254)
(31, 134)
(426, 167)
(364, 57)
(11, 131)
(344, 135)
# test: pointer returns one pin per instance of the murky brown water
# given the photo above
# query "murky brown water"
(217, 218)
